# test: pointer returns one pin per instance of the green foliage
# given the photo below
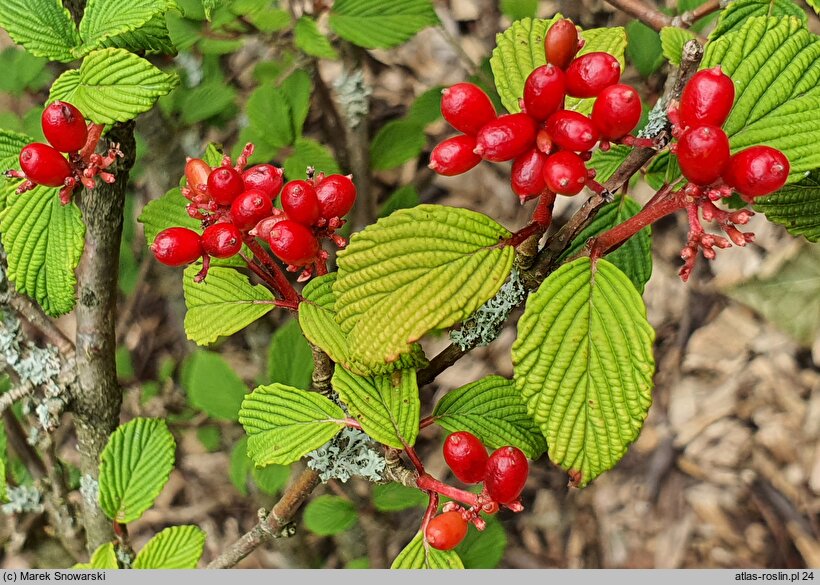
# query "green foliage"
(151, 38)
(165, 212)
(212, 385)
(240, 466)
(394, 497)
(738, 12)
(210, 436)
(105, 557)
(516, 9)
(271, 479)
(644, 48)
(672, 40)
(426, 108)
(103, 19)
(583, 364)
(606, 162)
(269, 116)
(329, 515)
(310, 40)
(485, 549)
(205, 101)
(290, 360)
(417, 555)
(402, 198)
(307, 152)
(380, 24)
(43, 27)
(176, 547)
(134, 467)
(796, 207)
(396, 143)
(22, 71)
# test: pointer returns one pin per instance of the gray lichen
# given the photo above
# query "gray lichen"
(23, 498)
(354, 96)
(89, 488)
(657, 121)
(350, 453)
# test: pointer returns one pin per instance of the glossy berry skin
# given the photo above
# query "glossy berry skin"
(466, 107)
(703, 153)
(466, 456)
(454, 156)
(544, 91)
(572, 131)
(507, 470)
(177, 246)
(300, 202)
(617, 111)
(221, 240)
(224, 185)
(565, 173)
(266, 178)
(44, 165)
(506, 137)
(707, 99)
(250, 208)
(336, 194)
(756, 171)
(561, 43)
(293, 243)
(64, 126)
(196, 175)
(527, 177)
(589, 74)
(446, 531)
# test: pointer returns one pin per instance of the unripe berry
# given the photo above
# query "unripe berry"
(196, 175)
(572, 131)
(336, 194)
(250, 208)
(506, 137)
(446, 531)
(44, 165)
(756, 171)
(527, 177)
(266, 178)
(617, 111)
(466, 107)
(299, 201)
(589, 74)
(454, 156)
(707, 99)
(561, 43)
(565, 173)
(544, 91)
(703, 153)
(221, 240)
(177, 246)
(225, 184)
(293, 243)
(507, 470)
(466, 456)
(64, 126)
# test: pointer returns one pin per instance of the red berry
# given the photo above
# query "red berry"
(446, 531)
(707, 99)
(757, 171)
(221, 240)
(293, 243)
(266, 178)
(196, 176)
(572, 131)
(264, 227)
(225, 184)
(64, 126)
(454, 156)
(506, 137)
(336, 194)
(589, 74)
(544, 91)
(507, 470)
(466, 107)
(466, 456)
(299, 201)
(703, 153)
(250, 208)
(527, 177)
(177, 246)
(44, 165)
(616, 111)
(561, 43)
(565, 173)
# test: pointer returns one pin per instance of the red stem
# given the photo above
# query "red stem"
(414, 459)
(428, 483)
(432, 508)
(426, 422)
(353, 423)
(94, 134)
(280, 282)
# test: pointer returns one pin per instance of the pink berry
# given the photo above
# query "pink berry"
(446, 531)
(196, 176)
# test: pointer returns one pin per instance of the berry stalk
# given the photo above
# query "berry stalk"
(430, 484)
(280, 282)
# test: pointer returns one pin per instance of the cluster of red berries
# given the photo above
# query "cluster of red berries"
(547, 143)
(66, 130)
(236, 204)
(504, 474)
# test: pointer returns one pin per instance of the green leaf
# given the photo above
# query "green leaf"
(815, 4)
(402, 198)
(105, 557)
(381, 25)
(419, 555)
(516, 9)
(240, 466)
(151, 38)
(113, 85)
(775, 66)
(103, 19)
(583, 364)
(270, 20)
(176, 547)
(738, 12)
(396, 143)
(3, 491)
(11, 143)
(420, 269)
(606, 162)
(210, 436)
(644, 48)
(394, 497)
(309, 153)
(22, 71)
(283, 423)
(269, 115)
(297, 88)
(271, 479)
(672, 40)
(290, 360)
(222, 304)
(205, 101)
(426, 108)
(329, 515)
(634, 257)
(134, 467)
(43, 240)
(167, 211)
(491, 409)
(210, 5)
(311, 41)
(796, 207)
(485, 549)
(212, 385)
(387, 407)
(43, 27)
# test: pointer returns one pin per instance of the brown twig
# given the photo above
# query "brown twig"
(690, 17)
(648, 15)
(34, 315)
